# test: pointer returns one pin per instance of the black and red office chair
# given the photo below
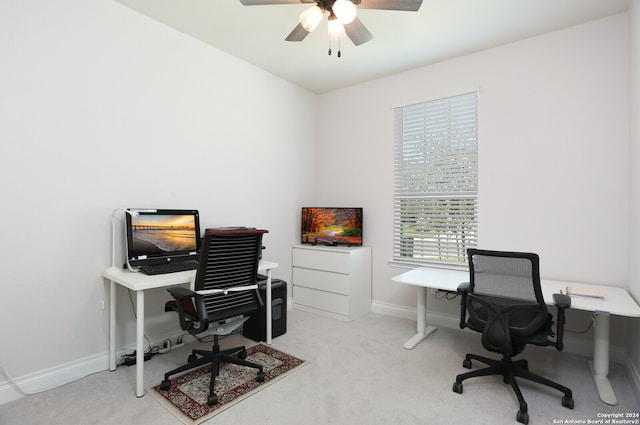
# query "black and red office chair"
(225, 287)
(505, 304)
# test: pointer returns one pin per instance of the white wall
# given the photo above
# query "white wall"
(634, 194)
(553, 142)
(101, 108)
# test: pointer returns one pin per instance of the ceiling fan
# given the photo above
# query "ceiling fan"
(341, 16)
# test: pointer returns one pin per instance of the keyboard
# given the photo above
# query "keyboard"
(162, 268)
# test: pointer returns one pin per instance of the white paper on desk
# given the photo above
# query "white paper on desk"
(581, 291)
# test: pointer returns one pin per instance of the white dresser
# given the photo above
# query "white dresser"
(332, 281)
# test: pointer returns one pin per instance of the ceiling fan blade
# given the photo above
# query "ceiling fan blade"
(298, 34)
(406, 5)
(264, 2)
(357, 32)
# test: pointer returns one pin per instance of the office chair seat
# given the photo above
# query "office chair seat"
(503, 301)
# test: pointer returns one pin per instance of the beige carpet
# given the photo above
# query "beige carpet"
(358, 374)
(187, 397)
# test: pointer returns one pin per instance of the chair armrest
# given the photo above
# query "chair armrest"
(463, 290)
(178, 292)
(463, 287)
(562, 302)
(183, 294)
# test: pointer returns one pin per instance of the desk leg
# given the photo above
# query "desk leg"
(600, 364)
(269, 296)
(423, 330)
(112, 326)
(140, 344)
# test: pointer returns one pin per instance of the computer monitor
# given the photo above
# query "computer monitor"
(159, 236)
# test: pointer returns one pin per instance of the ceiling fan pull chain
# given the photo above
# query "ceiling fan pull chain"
(339, 47)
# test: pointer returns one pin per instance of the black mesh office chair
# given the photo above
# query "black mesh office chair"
(225, 288)
(504, 302)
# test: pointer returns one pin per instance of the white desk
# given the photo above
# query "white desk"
(616, 301)
(139, 282)
(424, 278)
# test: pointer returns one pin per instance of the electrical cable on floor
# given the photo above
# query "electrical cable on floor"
(130, 359)
(149, 351)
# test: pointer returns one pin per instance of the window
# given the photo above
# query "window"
(436, 180)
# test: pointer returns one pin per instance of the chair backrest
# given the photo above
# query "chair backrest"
(505, 300)
(514, 275)
(229, 264)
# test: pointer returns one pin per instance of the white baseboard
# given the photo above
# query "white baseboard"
(634, 375)
(51, 378)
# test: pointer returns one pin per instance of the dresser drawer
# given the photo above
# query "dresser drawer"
(332, 261)
(324, 281)
(327, 301)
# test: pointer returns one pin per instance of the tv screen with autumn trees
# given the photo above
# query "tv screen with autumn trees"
(332, 226)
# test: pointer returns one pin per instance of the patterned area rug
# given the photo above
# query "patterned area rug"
(187, 398)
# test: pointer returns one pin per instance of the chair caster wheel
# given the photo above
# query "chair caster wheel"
(457, 387)
(466, 363)
(522, 417)
(165, 385)
(242, 354)
(212, 400)
(567, 402)
(260, 376)
(192, 358)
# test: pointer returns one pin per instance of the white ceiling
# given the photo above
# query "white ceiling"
(440, 30)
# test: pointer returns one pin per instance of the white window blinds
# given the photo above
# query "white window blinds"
(436, 180)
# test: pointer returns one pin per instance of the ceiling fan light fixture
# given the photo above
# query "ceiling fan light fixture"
(345, 11)
(310, 18)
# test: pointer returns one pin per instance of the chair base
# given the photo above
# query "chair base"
(509, 370)
(215, 357)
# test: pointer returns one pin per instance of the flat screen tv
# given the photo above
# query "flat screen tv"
(332, 226)
(159, 236)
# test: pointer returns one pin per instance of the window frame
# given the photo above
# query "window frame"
(436, 181)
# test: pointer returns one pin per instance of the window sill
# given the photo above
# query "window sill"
(414, 265)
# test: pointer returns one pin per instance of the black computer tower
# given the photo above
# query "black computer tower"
(256, 327)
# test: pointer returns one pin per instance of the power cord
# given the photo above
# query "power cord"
(12, 382)
(446, 295)
(130, 359)
(593, 320)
